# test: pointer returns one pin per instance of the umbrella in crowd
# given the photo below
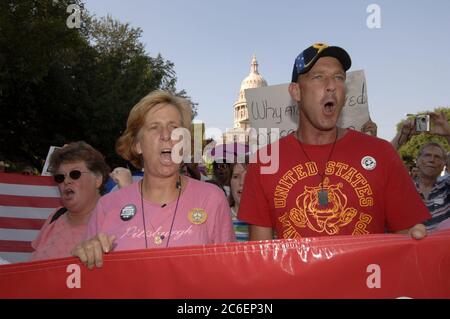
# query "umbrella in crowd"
(229, 152)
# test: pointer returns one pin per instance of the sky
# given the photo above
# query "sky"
(406, 61)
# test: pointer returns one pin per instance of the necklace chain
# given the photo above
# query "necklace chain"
(329, 156)
(158, 239)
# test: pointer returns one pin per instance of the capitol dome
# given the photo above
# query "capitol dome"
(253, 80)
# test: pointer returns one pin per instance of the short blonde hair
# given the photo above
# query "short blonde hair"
(126, 143)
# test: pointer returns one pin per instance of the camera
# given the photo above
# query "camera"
(422, 123)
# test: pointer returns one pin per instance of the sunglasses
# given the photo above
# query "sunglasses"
(221, 165)
(75, 174)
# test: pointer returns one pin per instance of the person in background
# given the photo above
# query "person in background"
(2, 167)
(80, 172)
(203, 172)
(414, 172)
(434, 193)
(191, 170)
(370, 128)
(447, 168)
(222, 174)
(28, 170)
(433, 189)
(121, 177)
(163, 209)
(238, 171)
(330, 181)
(440, 127)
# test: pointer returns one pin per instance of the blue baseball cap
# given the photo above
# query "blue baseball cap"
(306, 59)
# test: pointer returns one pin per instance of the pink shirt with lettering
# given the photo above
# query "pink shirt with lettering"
(202, 217)
(56, 240)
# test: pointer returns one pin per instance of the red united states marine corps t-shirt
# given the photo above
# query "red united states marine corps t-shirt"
(369, 190)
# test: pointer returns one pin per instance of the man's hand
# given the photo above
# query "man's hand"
(407, 129)
(91, 251)
(441, 126)
(370, 128)
(122, 176)
(417, 231)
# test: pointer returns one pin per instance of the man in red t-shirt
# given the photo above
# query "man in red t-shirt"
(330, 180)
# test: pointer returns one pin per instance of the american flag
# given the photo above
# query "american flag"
(25, 204)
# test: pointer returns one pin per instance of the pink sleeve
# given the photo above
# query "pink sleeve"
(44, 230)
(222, 230)
(95, 221)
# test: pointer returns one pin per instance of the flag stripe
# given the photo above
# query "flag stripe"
(15, 246)
(25, 204)
(18, 234)
(11, 178)
(21, 223)
(15, 257)
(27, 201)
(20, 190)
(25, 212)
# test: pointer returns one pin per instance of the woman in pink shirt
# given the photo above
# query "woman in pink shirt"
(80, 172)
(165, 208)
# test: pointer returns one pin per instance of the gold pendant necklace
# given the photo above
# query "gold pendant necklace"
(158, 239)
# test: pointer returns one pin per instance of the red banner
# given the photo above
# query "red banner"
(370, 266)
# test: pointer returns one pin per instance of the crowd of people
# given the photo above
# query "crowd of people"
(330, 180)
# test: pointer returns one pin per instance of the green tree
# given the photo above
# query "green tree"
(59, 84)
(410, 149)
(37, 53)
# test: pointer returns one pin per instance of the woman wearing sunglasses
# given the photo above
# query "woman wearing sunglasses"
(165, 208)
(80, 172)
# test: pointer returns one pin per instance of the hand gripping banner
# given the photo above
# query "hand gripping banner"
(369, 266)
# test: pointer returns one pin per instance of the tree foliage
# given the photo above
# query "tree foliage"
(410, 149)
(59, 85)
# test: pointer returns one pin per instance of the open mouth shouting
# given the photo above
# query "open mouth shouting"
(329, 106)
(68, 194)
(166, 156)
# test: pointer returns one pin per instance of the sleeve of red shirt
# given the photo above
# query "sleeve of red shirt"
(403, 205)
(255, 206)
